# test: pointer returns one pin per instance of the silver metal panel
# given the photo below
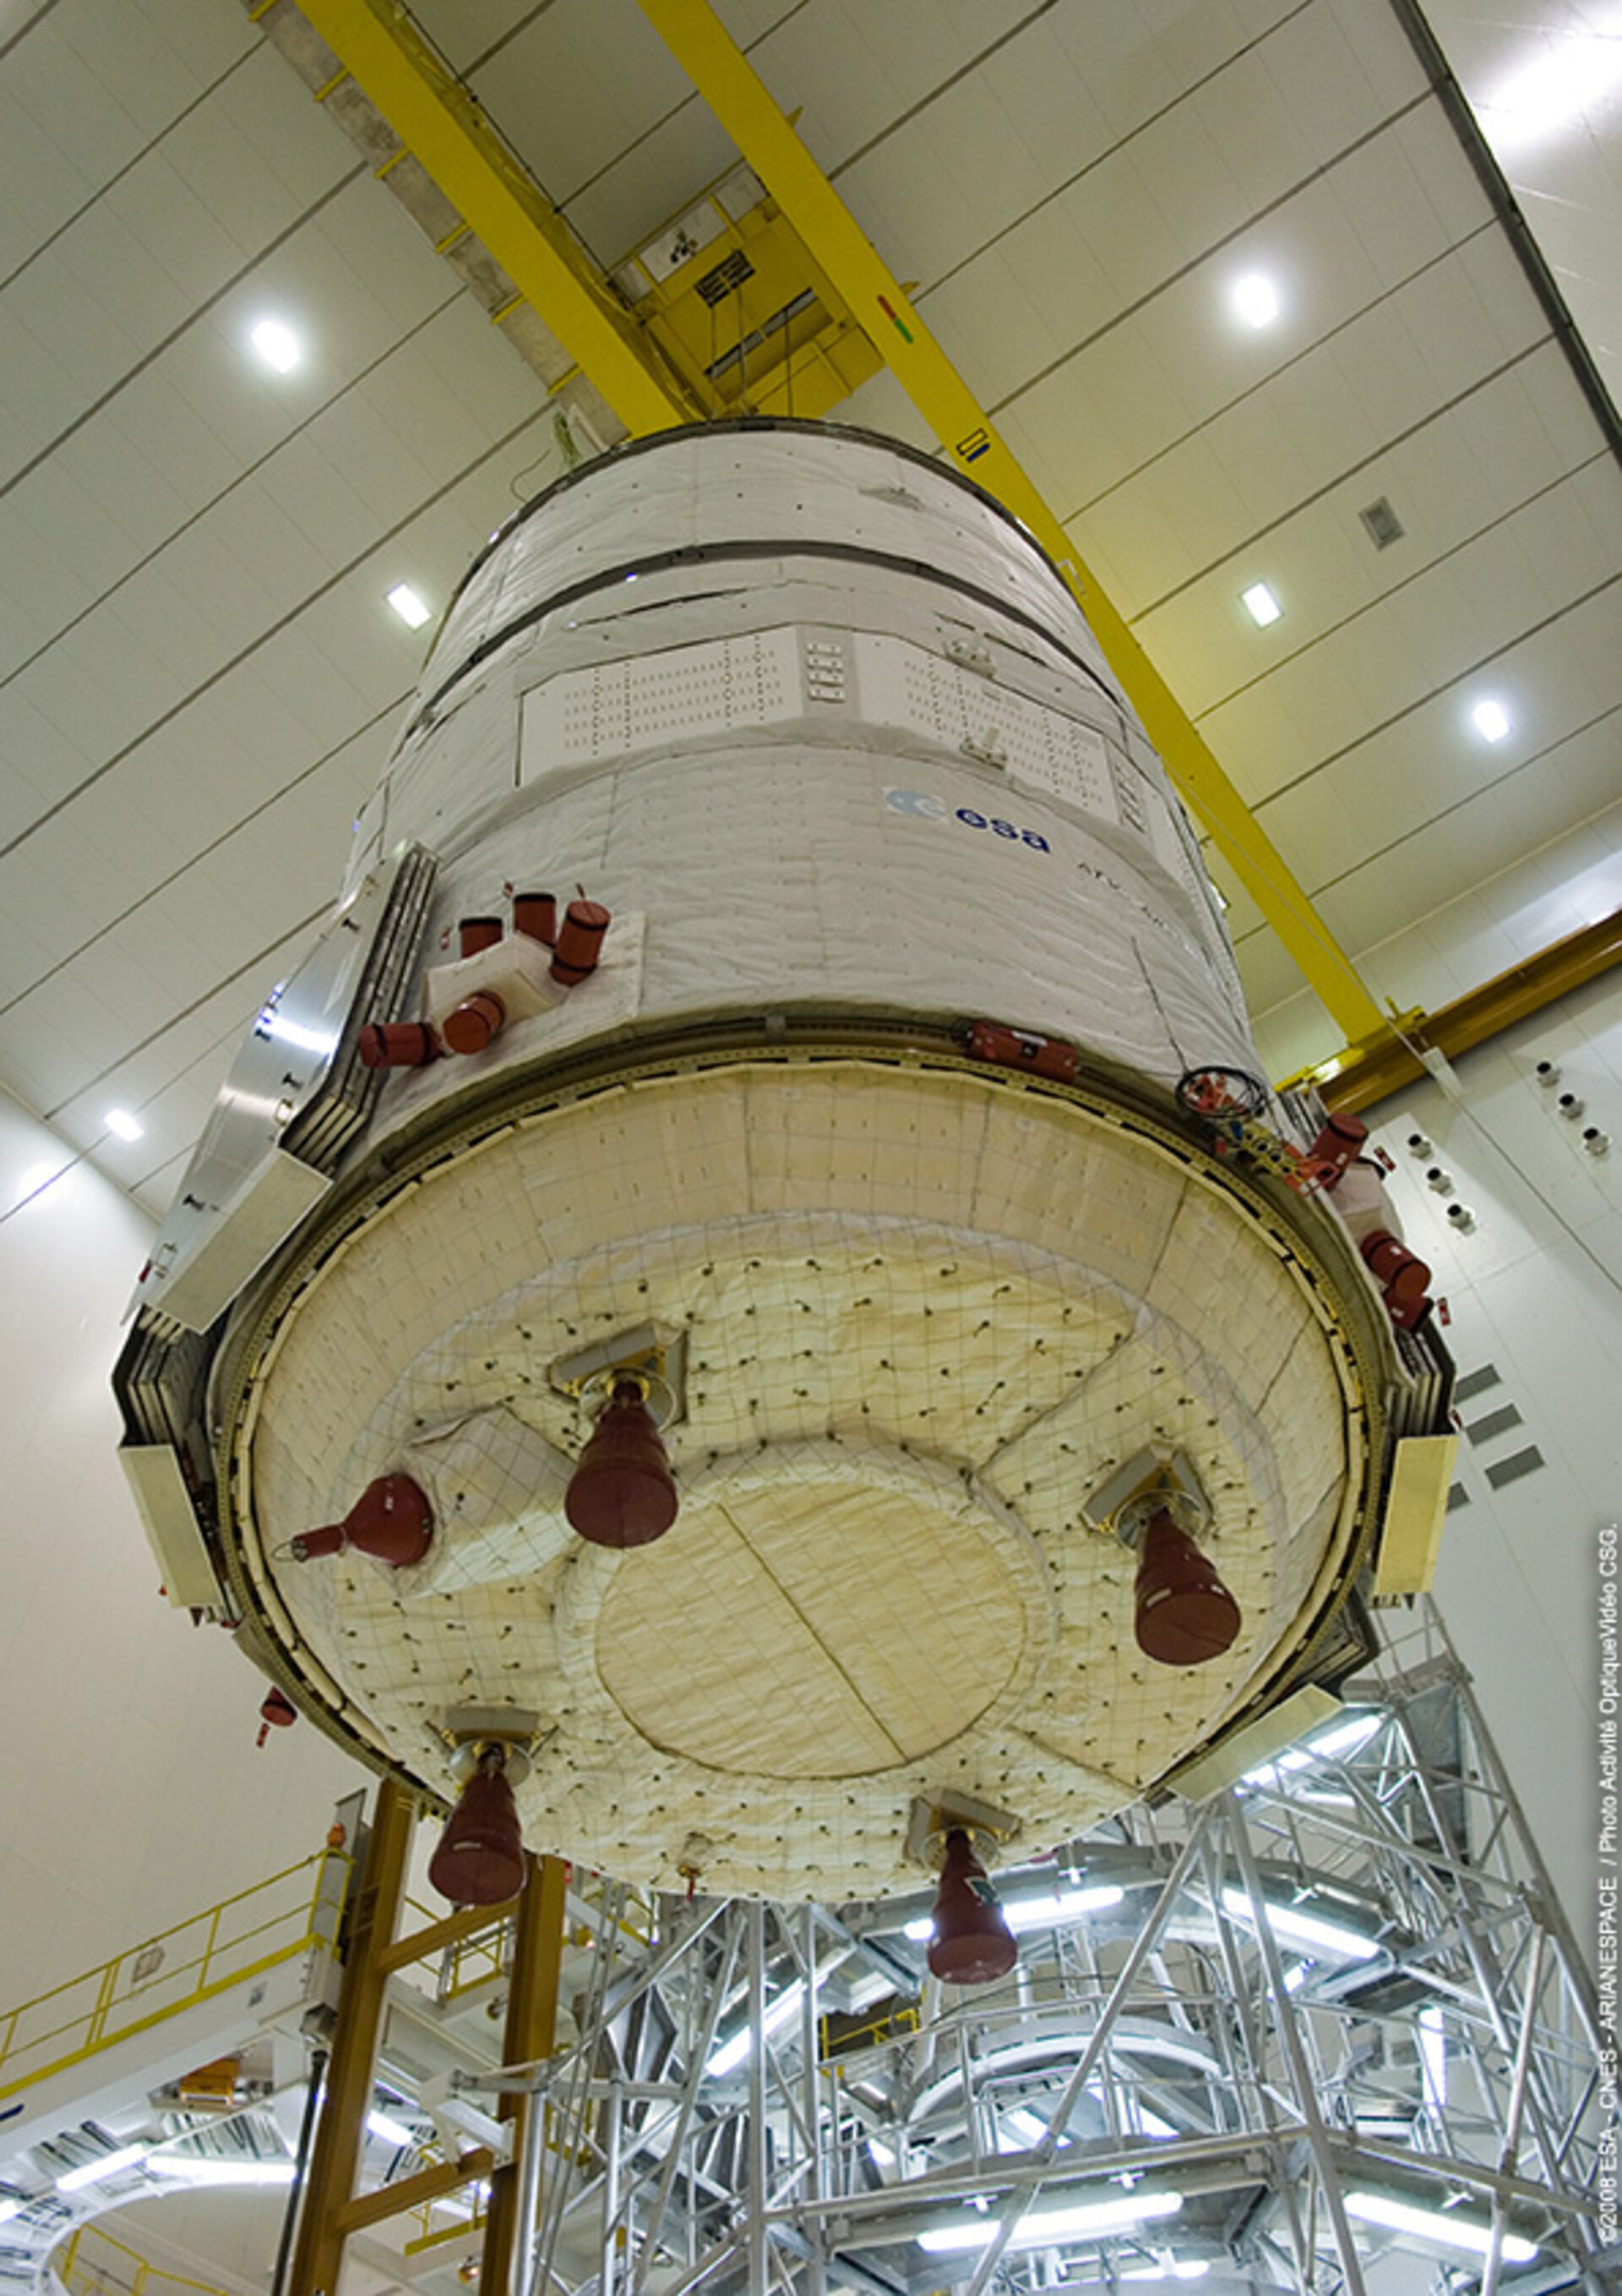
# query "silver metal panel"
(235, 1240)
(164, 1506)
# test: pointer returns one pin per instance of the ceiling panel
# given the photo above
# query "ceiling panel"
(1171, 175)
(1547, 84)
(193, 632)
(584, 79)
(1451, 484)
(72, 119)
(1448, 638)
(1555, 683)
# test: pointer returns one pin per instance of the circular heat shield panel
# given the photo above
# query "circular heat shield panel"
(926, 1312)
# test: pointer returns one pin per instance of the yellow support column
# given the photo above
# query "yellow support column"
(531, 2032)
(335, 2155)
(734, 91)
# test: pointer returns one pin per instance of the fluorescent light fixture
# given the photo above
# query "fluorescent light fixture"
(1490, 719)
(1195, 2267)
(122, 1125)
(10, 2209)
(1332, 1744)
(1149, 2124)
(1433, 2057)
(1029, 2127)
(1255, 299)
(196, 2168)
(1343, 1738)
(1260, 604)
(1046, 1912)
(732, 2052)
(1304, 1929)
(1044, 2228)
(408, 606)
(392, 2132)
(1438, 2224)
(111, 2164)
(1060, 1906)
(277, 346)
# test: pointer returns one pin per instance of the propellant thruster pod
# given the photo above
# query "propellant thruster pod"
(972, 1942)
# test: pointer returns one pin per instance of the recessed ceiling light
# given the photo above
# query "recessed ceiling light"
(1255, 299)
(1260, 604)
(122, 1125)
(277, 345)
(408, 606)
(1491, 720)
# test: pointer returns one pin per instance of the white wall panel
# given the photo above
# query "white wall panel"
(1537, 1291)
(133, 1794)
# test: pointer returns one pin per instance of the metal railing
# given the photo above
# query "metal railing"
(225, 1946)
(94, 2264)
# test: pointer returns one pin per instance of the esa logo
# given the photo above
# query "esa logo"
(924, 806)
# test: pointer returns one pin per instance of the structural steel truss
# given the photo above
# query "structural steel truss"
(1325, 2032)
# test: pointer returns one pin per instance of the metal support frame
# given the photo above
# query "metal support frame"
(767, 2100)
(738, 97)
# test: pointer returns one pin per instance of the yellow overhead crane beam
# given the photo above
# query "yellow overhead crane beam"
(734, 92)
(440, 123)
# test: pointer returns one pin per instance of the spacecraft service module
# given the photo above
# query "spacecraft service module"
(747, 1294)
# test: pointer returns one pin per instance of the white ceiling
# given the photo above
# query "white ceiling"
(199, 676)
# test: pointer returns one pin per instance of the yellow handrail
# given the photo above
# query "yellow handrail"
(223, 1945)
(82, 2277)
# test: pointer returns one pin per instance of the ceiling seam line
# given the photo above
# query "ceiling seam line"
(1442, 558)
(22, 30)
(132, 1051)
(152, 144)
(464, 72)
(1285, 366)
(180, 1157)
(1343, 479)
(245, 821)
(1538, 758)
(1152, 120)
(589, 182)
(1352, 470)
(1472, 669)
(251, 471)
(997, 407)
(276, 628)
(944, 87)
(72, 1159)
(150, 358)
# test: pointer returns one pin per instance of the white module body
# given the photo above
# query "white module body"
(827, 735)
